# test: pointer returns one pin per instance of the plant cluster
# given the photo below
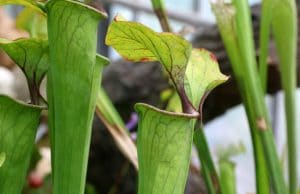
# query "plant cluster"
(62, 47)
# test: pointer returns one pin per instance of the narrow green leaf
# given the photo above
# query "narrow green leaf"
(207, 165)
(116, 127)
(202, 75)
(73, 81)
(105, 105)
(136, 42)
(2, 158)
(164, 148)
(27, 3)
(284, 29)
(31, 55)
(18, 126)
(227, 176)
(227, 166)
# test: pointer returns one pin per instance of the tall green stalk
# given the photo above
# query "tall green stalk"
(159, 9)
(227, 176)
(207, 166)
(255, 93)
(73, 81)
(236, 32)
(225, 19)
(284, 28)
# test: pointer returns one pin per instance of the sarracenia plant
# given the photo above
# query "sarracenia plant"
(73, 81)
(208, 170)
(165, 138)
(236, 31)
(73, 71)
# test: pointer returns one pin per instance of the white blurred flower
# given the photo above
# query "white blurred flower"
(6, 82)
(221, 1)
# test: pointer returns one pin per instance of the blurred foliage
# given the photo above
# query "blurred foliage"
(33, 22)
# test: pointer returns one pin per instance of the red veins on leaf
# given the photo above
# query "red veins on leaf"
(213, 57)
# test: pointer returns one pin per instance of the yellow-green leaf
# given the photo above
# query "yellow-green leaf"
(138, 43)
(27, 3)
(202, 75)
(33, 22)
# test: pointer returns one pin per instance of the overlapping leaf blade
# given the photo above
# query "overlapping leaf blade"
(202, 75)
(31, 55)
(18, 126)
